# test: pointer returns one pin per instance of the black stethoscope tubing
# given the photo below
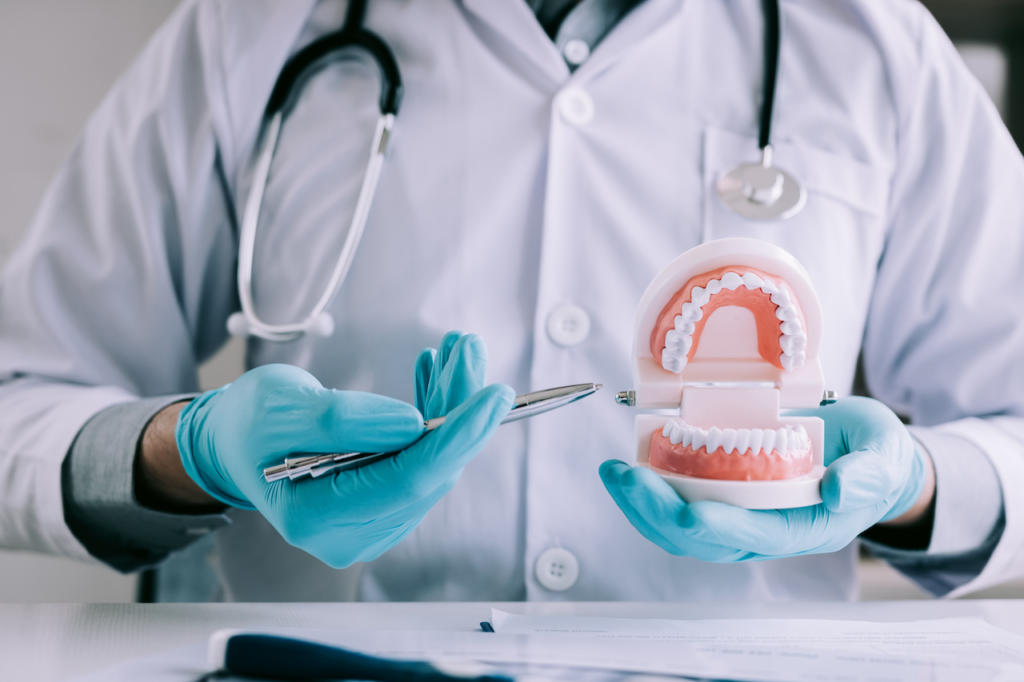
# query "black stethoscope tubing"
(742, 195)
(770, 11)
(351, 34)
(354, 34)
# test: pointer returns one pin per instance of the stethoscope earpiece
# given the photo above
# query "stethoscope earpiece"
(323, 325)
(237, 324)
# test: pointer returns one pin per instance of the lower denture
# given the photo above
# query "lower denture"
(750, 465)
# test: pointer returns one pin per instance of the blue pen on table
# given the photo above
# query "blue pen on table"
(284, 658)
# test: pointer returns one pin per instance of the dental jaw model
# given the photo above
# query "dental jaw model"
(729, 335)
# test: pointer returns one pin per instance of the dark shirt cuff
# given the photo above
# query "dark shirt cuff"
(100, 506)
(967, 515)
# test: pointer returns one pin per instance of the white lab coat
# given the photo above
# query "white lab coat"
(500, 202)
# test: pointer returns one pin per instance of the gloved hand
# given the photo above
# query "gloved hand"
(875, 473)
(227, 436)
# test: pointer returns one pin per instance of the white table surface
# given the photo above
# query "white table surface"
(58, 641)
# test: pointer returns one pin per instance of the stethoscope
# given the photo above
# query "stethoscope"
(762, 190)
(351, 35)
(756, 191)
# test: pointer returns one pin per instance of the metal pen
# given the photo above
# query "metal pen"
(526, 405)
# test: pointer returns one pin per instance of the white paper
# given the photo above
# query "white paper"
(792, 650)
(786, 649)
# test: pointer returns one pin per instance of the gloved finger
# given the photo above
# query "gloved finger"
(310, 520)
(865, 478)
(446, 346)
(857, 423)
(324, 420)
(419, 470)
(434, 404)
(779, 532)
(435, 390)
(461, 376)
(652, 507)
(400, 523)
(424, 368)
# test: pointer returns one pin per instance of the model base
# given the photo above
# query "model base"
(803, 491)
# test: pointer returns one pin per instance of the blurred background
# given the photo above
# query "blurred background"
(59, 57)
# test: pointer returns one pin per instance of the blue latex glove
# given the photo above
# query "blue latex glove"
(875, 473)
(227, 436)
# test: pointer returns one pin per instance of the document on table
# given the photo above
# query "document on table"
(782, 649)
(766, 650)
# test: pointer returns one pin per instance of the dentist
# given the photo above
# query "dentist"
(550, 157)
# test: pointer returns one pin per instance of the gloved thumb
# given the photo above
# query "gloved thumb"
(860, 479)
(353, 421)
(438, 457)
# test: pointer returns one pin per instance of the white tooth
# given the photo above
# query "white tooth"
(792, 327)
(672, 338)
(785, 313)
(752, 281)
(688, 328)
(768, 442)
(731, 280)
(686, 435)
(728, 439)
(791, 344)
(698, 437)
(691, 312)
(769, 287)
(798, 359)
(678, 321)
(714, 286)
(742, 440)
(787, 362)
(781, 297)
(714, 438)
(667, 429)
(782, 440)
(699, 296)
(685, 343)
(682, 324)
(673, 363)
(676, 435)
(756, 437)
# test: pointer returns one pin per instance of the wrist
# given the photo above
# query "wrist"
(924, 502)
(160, 480)
(911, 530)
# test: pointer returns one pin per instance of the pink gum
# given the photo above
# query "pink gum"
(722, 465)
(756, 301)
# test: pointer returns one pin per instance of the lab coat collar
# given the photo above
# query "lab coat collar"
(516, 25)
(640, 24)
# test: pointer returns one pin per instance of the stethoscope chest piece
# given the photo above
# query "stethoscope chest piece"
(761, 191)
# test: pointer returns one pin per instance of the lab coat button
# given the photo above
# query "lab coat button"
(557, 569)
(576, 51)
(568, 325)
(575, 106)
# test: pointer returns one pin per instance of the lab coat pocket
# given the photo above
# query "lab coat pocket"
(841, 228)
